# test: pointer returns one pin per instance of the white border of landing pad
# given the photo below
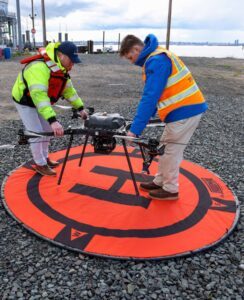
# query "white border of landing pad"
(95, 210)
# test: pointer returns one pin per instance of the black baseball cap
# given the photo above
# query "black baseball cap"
(70, 49)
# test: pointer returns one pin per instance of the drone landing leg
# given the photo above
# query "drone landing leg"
(131, 170)
(83, 150)
(143, 157)
(65, 159)
(142, 152)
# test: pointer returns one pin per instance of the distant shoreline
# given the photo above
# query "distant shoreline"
(84, 42)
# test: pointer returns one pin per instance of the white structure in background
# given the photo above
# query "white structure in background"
(8, 30)
(108, 49)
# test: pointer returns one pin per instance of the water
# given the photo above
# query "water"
(209, 51)
(197, 51)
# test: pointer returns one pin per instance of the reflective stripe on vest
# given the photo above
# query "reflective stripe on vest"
(177, 64)
(50, 63)
(55, 68)
(180, 86)
(177, 77)
(179, 97)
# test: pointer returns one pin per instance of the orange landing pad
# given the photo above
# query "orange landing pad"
(95, 209)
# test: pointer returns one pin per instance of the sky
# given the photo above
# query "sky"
(192, 20)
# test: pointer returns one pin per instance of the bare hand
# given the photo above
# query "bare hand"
(131, 134)
(57, 129)
(83, 114)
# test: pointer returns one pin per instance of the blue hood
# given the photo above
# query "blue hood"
(151, 44)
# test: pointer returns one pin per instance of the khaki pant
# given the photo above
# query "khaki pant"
(169, 163)
(34, 122)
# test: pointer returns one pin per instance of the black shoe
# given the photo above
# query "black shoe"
(149, 186)
(161, 194)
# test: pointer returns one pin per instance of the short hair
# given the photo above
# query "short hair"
(128, 42)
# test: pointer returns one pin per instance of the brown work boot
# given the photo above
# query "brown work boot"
(149, 186)
(52, 163)
(161, 194)
(45, 170)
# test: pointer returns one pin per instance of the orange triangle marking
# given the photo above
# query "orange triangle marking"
(75, 234)
(216, 204)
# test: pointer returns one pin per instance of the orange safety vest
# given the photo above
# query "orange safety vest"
(181, 88)
(57, 80)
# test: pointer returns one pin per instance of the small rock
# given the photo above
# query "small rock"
(130, 288)
(184, 283)
(44, 294)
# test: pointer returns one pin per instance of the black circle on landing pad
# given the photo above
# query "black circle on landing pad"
(199, 212)
(212, 215)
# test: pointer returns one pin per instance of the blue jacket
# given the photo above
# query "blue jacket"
(158, 68)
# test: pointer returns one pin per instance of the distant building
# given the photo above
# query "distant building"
(8, 29)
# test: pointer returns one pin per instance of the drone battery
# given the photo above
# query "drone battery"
(105, 121)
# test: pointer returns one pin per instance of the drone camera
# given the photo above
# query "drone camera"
(105, 125)
(104, 145)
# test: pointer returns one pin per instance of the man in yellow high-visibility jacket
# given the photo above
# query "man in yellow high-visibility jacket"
(43, 80)
(171, 91)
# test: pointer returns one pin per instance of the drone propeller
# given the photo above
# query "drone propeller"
(160, 124)
(155, 123)
(130, 138)
(32, 134)
(63, 107)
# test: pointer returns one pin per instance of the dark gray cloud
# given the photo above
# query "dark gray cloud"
(57, 9)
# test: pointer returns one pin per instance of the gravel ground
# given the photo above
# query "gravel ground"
(31, 268)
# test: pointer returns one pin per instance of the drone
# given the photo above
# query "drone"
(105, 129)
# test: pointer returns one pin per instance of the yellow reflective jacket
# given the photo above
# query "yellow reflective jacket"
(36, 76)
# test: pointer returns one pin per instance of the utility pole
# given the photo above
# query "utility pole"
(169, 24)
(118, 42)
(44, 31)
(19, 25)
(103, 40)
(33, 30)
